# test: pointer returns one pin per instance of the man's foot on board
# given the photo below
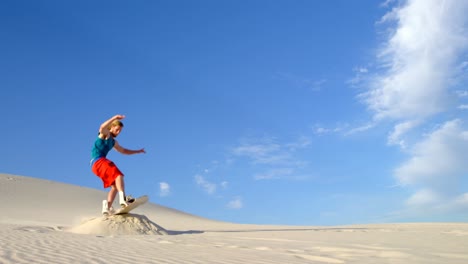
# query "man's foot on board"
(128, 200)
(106, 210)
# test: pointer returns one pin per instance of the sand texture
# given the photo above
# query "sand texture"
(49, 222)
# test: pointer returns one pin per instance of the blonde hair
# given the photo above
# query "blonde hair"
(116, 123)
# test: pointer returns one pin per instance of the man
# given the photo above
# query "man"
(105, 169)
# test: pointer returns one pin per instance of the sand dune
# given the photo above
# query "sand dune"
(49, 222)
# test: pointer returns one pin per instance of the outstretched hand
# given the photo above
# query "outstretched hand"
(119, 117)
(141, 150)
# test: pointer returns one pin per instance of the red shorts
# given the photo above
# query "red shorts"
(107, 171)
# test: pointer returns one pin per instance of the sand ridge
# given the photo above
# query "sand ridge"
(126, 224)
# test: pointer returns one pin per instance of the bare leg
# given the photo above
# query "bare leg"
(111, 195)
(118, 186)
(119, 183)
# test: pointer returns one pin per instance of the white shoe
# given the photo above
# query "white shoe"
(127, 200)
(105, 208)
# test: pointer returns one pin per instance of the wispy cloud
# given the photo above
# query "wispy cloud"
(207, 186)
(301, 143)
(278, 160)
(343, 129)
(461, 93)
(318, 85)
(224, 184)
(387, 3)
(360, 74)
(396, 136)
(323, 130)
(360, 129)
(274, 174)
(209, 181)
(235, 203)
(265, 151)
(302, 82)
(424, 197)
(164, 189)
(281, 174)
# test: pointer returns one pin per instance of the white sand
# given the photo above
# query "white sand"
(49, 222)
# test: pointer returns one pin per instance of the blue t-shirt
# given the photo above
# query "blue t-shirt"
(101, 148)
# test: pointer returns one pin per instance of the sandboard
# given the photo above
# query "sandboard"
(138, 201)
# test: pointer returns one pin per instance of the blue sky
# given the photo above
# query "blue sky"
(267, 112)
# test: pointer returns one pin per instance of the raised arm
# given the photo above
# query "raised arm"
(104, 128)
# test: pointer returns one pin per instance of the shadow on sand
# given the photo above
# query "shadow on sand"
(188, 232)
(325, 229)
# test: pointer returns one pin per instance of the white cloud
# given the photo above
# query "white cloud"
(207, 186)
(360, 129)
(395, 137)
(419, 59)
(359, 76)
(321, 130)
(462, 201)
(387, 3)
(301, 143)
(278, 160)
(268, 151)
(427, 202)
(264, 151)
(164, 189)
(437, 166)
(418, 72)
(424, 198)
(439, 160)
(236, 203)
(343, 129)
(362, 70)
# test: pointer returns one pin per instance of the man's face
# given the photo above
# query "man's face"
(115, 130)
